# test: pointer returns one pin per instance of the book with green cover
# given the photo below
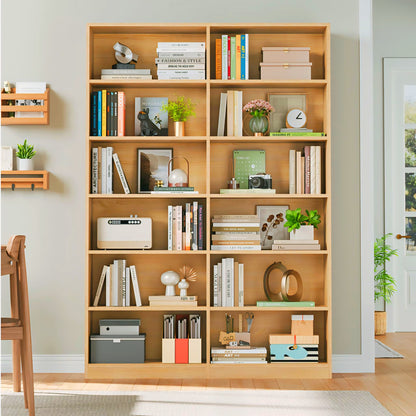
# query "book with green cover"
(286, 304)
(298, 133)
(233, 55)
(246, 163)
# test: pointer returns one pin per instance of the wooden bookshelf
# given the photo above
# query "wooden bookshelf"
(210, 159)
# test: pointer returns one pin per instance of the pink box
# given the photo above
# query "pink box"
(284, 55)
(285, 71)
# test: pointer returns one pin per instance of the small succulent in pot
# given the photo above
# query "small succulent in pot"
(25, 154)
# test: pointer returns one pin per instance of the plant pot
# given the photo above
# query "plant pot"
(179, 127)
(25, 164)
(259, 125)
(380, 323)
(305, 232)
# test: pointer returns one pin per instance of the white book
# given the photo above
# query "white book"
(215, 285)
(240, 284)
(180, 54)
(224, 56)
(122, 283)
(221, 116)
(121, 175)
(174, 228)
(108, 286)
(230, 301)
(100, 286)
(143, 71)
(230, 113)
(219, 293)
(235, 248)
(247, 56)
(127, 286)
(30, 88)
(198, 46)
(182, 76)
(121, 76)
(194, 241)
(318, 170)
(238, 113)
(170, 242)
(94, 170)
(235, 236)
(292, 171)
(135, 282)
(114, 285)
(109, 170)
(293, 247)
(235, 224)
(296, 242)
(298, 172)
(167, 65)
(179, 228)
(313, 169)
(224, 282)
(103, 170)
(187, 226)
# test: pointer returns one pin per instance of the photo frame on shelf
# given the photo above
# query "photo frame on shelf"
(282, 103)
(272, 219)
(6, 158)
(152, 165)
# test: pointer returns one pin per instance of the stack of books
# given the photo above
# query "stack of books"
(180, 60)
(30, 88)
(256, 355)
(126, 73)
(235, 232)
(231, 109)
(117, 278)
(108, 113)
(296, 245)
(171, 301)
(228, 283)
(186, 227)
(297, 132)
(305, 170)
(102, 171)
(231, 57)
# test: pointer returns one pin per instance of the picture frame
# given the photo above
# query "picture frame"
(272, 219)
(282, 103)
(6, 158)
(152, 165)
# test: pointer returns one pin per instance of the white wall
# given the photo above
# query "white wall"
(45, 40)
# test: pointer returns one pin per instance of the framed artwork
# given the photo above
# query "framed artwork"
(152, 165)
(282, 103)
(272, 219)
(6, 158)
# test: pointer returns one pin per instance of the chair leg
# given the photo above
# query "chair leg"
(17, 379)
(27, 366)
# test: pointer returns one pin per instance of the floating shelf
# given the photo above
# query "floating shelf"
(5, 109)
(25, 179)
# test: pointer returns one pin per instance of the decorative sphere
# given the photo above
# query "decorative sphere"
(178, 177)
(170, 278)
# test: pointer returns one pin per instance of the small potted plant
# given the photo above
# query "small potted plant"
(300, 226)
(25, 153)
(384, 284)
(179, 111)
(259, 111)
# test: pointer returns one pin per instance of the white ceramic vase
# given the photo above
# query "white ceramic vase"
(25, 164)
(183, 285)
(170, 279)
(305, 232)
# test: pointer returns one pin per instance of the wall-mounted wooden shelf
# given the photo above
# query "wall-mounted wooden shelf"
(6, 109)
(25, 179)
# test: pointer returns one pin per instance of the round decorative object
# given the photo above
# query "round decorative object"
(183, 285)
(170, 279)
(177, 177)
(259, 125)
(296, 118)
(283, 295)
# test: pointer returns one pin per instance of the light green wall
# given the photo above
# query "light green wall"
(45, 40)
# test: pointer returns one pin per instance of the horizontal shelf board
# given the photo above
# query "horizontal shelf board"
(148, 364)
(135, 196)
(212, 196)
(148, 252)
(147, 28)
(268, 196)
(266, 308)
(148, 83)
(267, 139)
(262, 83)
(145, 308)
(271, 252)
(8, 121)
(145, 139)
(254, 28)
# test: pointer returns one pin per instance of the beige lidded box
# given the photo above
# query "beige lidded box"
(278, 54)
(291, 71)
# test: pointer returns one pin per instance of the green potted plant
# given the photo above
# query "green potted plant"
(300, 226)
(25, 153)
(179, 111)
(384, 284)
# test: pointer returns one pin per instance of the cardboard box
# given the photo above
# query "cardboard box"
(302, 325)
(278, 54)
(290, 339)
(286, 71)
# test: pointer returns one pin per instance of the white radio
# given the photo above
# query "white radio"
(124, 232)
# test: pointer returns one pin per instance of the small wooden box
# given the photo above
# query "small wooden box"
(278, 54)
(288, 71)
(302, 325)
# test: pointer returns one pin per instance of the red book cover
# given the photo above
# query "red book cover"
(307, 169)
(229, 57)
(181, 350)
(121, 121)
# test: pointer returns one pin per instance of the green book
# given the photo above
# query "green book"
(173, 188)
(299, 133)
(233, 55)
(286, 304)
(246, 163)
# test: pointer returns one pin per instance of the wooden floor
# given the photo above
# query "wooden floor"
(393, 384)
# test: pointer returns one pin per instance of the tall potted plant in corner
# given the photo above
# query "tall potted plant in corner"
(25, 153)
(179, 111)
(300, 226)
(384, 284)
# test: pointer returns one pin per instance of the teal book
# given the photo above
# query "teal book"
(233, 55)
(286, 304)
(243, 56)
(278, 133)
(246, 163)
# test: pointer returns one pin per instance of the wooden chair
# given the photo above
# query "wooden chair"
(17, 327)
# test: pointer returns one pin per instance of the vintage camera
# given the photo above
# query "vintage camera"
(260, 181)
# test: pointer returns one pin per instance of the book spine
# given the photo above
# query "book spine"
(318, 176)
(215, 285)
(180, 66)
(115, 105)
(292, 171)
(108, 286)
(229, 57)
(247, 57)
(243, 57)
(128, 285)
(235, 293)
(94, 115)
(296, 247)
(201, 227)
(195, 226)
(182, 54)
(179, 227)
(224, 43)
(94, 171)
(238, 57)
(224, 282)
(121, 175)
(181, 46)
(104, 113)
(233, 56)
(108, 115)
(109, 170)
(230, 113)
(170, 246)
(313, 170)
(111, 124)
(188, 227)
(235, 248)
(302, 173)
(135, 282)
(298, 172)
(114, 283)
(99, 113)
(240, 285)
(123, 288)
(100, 286)
(219, 271)
(103, 170)
(218, 58)
(174, 229)
(307, 169)
(236, 228)
(235, 113)
(230, 282)
(182, 60)
(221, 115)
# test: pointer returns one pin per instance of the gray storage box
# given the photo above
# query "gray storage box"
(117, 349)
(119, 326)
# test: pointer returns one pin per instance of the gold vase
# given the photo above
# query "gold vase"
(179, 127)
